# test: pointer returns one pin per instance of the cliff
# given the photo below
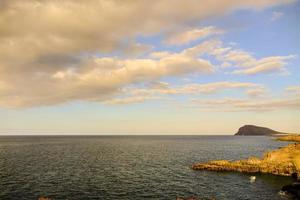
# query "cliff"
(256, 130)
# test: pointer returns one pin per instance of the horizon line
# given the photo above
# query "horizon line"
(127, 134)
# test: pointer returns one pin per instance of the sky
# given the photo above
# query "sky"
(148, 67)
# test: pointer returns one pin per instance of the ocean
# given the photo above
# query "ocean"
(131, 167)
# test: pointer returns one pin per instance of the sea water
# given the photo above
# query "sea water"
(131, 167)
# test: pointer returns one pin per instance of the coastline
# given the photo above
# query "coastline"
(284, 161)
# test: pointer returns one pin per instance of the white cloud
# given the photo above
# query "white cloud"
(128, 100)
(266, 65)
(256, 92)
(192, 35)
(230, 104)
(276, 15)
(58, 51)
(158, 90)
(216, 87)
(160, 54)
(135, 49)
(97, 79)
(242, 61)
(293, 89)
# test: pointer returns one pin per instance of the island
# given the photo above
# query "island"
(257, 130)
(284, 161)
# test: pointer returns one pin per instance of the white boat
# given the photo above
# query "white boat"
(252, 179)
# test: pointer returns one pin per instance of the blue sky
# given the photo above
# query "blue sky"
(136, 68)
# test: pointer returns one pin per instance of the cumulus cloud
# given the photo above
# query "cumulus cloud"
(58, 51)
(192, 35)
(62, 26)
(241, 61)
(97, 79)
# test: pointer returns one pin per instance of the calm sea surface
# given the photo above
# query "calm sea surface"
(130, 167)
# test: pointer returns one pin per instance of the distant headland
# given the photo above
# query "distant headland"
(257, 130)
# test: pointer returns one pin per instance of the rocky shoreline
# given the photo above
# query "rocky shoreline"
(284, 161)
(289, 138)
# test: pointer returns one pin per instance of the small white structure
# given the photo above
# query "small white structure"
(252, 179)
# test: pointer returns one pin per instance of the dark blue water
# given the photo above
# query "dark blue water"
(130, 167)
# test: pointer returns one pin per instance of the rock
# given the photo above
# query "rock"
(256, 130)
(293, 189)
(188, 198)
(192, 198)
(284, 161)
(290, 138)
(45, 198)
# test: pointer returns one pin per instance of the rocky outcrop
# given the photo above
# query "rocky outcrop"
(290, 138)
(256, 130)
(284, 161)
(192, 198)
(293, 189)
(45, 198)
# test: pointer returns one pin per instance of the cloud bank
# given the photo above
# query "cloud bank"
(53, 51)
